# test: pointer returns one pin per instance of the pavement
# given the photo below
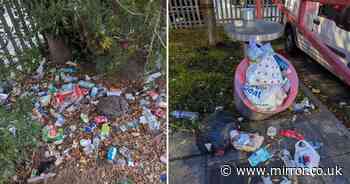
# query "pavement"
(189, 166)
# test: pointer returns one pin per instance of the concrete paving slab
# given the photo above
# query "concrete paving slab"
(182, 145)
(320, 126)
(188, 171)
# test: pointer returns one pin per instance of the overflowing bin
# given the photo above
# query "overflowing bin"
(265, 94)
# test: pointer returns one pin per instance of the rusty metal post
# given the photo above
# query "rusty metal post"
(207, 9)
(259, 9)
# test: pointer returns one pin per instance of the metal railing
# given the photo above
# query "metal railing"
(17, 31)
(184, 14)
(187, 13)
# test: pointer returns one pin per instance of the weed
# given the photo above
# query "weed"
(15, 148)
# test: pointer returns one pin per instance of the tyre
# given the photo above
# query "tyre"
(289, 44)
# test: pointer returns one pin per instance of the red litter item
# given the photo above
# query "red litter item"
(159, 113)
(100, 119)
(306, 159)
(60, 97)
(292, 134)
(78, 92)
(154, 95)
(52, 131)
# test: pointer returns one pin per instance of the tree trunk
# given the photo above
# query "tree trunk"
(207, 8)
(59, 51)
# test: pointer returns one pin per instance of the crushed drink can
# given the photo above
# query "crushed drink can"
(111, 154)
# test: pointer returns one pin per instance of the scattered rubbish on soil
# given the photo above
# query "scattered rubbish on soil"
(86, 120)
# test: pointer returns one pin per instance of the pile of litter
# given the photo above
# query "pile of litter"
(87, 122)
(286, 147)
(305, 151)
(267, 85)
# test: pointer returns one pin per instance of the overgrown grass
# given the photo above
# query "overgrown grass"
(15, 149)
(200, 76)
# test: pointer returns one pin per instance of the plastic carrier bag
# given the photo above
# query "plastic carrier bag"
(305, 155)
(254, 51)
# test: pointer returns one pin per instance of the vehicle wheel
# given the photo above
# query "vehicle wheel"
(289, 44)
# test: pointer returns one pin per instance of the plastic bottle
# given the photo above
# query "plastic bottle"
(94, 92)
(86, 84)
(185, 115)
(111, 154)
(287, 158)
(125, 152)
(151, 119)
(85, 142)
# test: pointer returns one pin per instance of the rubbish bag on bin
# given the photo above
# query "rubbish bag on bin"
(265, 97)
(254, 51)
(264, 72)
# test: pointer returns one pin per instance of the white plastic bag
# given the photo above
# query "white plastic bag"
(304, 150)
(264, 72)
(265, 97)
(253, 51)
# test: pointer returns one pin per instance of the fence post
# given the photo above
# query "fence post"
(207, 8)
